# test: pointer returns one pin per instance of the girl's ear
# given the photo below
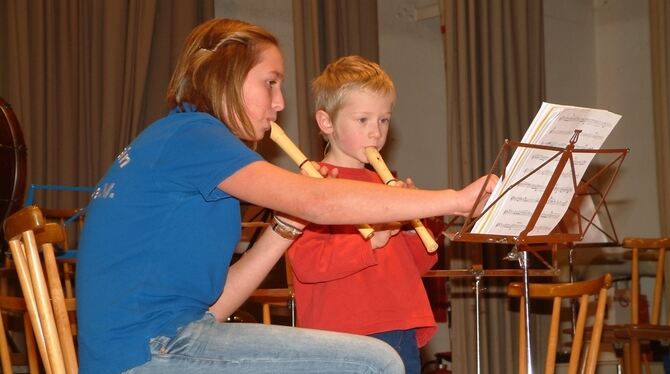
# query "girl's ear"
(324, 122)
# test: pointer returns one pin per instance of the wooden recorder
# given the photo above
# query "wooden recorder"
(278, 136)
(383, 171)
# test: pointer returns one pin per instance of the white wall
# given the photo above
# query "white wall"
(597, 55)
(411, 53)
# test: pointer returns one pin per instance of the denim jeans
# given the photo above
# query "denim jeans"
(404, 342)
(208, 346)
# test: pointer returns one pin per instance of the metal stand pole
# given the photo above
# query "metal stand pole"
(522, 258)
(526, 293)
(573, 302)
(478, 278)
(291, 306)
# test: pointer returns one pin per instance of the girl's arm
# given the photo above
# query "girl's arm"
(323, 201)
(341, 201)
(248, 272)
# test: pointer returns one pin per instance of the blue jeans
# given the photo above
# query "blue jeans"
(208, 346)
(404, 342)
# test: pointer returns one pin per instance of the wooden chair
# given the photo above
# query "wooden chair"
(12, 304)
(277, 297)
(13, 309)
(45, 303)
(577, 290)
(72, 222)
(255, 221)
(632, 334)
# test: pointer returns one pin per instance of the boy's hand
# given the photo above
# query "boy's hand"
(323, 170)
(381, 238)
(385, 231)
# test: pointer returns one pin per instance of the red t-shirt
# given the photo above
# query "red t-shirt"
(342, 284)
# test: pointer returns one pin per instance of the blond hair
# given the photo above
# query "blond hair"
(214, 62)
(346, 74)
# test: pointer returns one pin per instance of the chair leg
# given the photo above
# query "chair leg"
(626, 358)
(68, 272)
(635, 359)
(31, 345)
(4, 349)
(266, 314)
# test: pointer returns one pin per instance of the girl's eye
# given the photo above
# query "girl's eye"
(363, 120)
(272, 83)
(385, 121)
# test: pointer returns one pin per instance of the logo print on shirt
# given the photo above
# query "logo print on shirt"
(124, 157)
(104, 192)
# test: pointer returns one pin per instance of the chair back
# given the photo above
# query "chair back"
(639, 247)
(255, 221)
(557, 292)
(26, 232)
(72, 223)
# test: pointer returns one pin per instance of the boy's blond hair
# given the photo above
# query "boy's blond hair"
(341, 77)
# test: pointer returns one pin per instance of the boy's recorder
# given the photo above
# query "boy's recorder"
(383, 171)
(278, 136)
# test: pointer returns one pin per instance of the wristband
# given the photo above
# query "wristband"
(285, 230)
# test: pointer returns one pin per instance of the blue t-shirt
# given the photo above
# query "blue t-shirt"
(158, 239)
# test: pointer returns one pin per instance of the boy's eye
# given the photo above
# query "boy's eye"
(363, 120)
(385, 121)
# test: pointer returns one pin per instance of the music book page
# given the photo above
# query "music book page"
(554, 125)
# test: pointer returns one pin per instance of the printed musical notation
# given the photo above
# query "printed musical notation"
(529, 170)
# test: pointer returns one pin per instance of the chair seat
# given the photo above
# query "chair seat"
(271, 295)
(641, 332)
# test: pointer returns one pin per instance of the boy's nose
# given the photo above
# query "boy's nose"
(375, 132)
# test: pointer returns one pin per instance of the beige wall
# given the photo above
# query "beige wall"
(411, 53)
(597, 55)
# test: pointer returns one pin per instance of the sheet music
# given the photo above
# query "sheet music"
(554, 125)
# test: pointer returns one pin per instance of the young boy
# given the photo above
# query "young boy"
(343, 282)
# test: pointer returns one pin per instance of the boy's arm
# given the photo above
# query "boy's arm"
(326, 253)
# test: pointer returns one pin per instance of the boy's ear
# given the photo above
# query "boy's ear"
(324, 122)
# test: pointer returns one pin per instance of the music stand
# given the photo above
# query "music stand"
(526, 242)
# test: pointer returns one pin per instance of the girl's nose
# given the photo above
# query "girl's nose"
(278, 102)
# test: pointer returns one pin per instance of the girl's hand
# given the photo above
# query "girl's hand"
(469, 194)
